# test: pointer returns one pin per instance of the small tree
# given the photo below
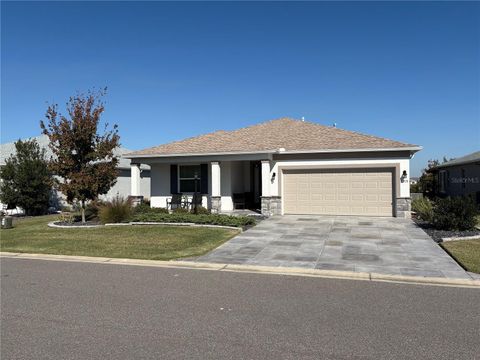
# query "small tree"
(83, 158)
(426, 182)
(26, 179)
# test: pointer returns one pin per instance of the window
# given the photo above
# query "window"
(186, 178)
(442, 181)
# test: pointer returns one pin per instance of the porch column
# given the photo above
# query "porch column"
(403, 201)
(135, 180)
(265, 178)
(135, 193)
(271, 204)
(216, 198)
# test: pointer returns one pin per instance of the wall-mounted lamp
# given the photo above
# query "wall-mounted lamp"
(404, 176)
(273, 177)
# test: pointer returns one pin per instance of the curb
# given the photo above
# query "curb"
(350, 275)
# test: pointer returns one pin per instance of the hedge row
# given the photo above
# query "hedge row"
(207, 219)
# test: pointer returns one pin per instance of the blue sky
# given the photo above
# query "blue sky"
(406, 71)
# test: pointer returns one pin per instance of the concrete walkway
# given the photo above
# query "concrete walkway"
(360, 244)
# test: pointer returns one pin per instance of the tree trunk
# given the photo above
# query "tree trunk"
(83, 212)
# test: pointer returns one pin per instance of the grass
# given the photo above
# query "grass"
(32, 235)
(465, 252)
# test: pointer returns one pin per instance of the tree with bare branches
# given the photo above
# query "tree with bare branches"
(84, 159)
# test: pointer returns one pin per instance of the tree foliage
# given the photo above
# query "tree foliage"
(426, 182)
(26, 179)
(83, 158)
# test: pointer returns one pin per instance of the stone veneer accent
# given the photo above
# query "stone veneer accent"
(403, 208)
(271, 205)
(135, 199)
(216, 204)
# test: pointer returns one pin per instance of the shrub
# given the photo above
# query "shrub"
(454, 214)
(115, 211)
(423, 208)
(180, 211)
(141, 208)
(92, 209)
(145, 208)
(200, 211)
(207, 219)
(66, 217)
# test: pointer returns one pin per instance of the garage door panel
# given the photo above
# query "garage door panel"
(339, 192)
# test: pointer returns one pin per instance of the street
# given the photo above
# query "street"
(69, 310)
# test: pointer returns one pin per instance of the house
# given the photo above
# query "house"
(283, 166)
(414, 180)
(459, 177)
(122, 186)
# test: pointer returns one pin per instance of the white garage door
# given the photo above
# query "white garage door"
(338, 192)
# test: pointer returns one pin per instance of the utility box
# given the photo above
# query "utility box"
(7, 222)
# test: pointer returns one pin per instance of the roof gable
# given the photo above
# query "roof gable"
(289, 134)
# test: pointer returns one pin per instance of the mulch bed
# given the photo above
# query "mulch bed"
(438, 235)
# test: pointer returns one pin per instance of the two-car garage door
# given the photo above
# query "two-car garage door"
(338, 192)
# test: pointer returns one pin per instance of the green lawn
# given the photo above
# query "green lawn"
(32, 235)
(466, 252)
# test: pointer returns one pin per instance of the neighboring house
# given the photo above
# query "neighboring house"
(413, 180)
(283, 166)
(122, 186)
(459, 177)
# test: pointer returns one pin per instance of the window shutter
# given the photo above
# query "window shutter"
(173, 179)
(204, 178)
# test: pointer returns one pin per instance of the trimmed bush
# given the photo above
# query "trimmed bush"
(116, 211)
(207, 219)
(180, 210)
(201, 211)
(423, 207)
(454, 214)
(144, 208)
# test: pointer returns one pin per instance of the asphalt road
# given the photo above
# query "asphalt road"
(68, 310)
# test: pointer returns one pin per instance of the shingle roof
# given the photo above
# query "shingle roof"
(467, 159)
(8, 149)
(290, 134)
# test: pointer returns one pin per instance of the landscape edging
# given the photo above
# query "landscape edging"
(139, 223)
(456, 238)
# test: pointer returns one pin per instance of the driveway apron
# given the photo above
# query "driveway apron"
(361, 244)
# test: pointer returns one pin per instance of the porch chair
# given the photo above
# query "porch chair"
(196, 201)
(239, 200)
(175, 202)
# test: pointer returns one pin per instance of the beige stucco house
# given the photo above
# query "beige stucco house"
(283, 166)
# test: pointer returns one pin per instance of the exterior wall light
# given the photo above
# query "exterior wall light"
(273, 177)
(404, 176)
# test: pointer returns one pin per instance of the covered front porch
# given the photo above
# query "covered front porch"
(223, 186)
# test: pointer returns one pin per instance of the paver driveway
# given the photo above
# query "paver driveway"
(361, 244)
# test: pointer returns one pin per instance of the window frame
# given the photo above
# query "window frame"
(442, 174)
(179, 178)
